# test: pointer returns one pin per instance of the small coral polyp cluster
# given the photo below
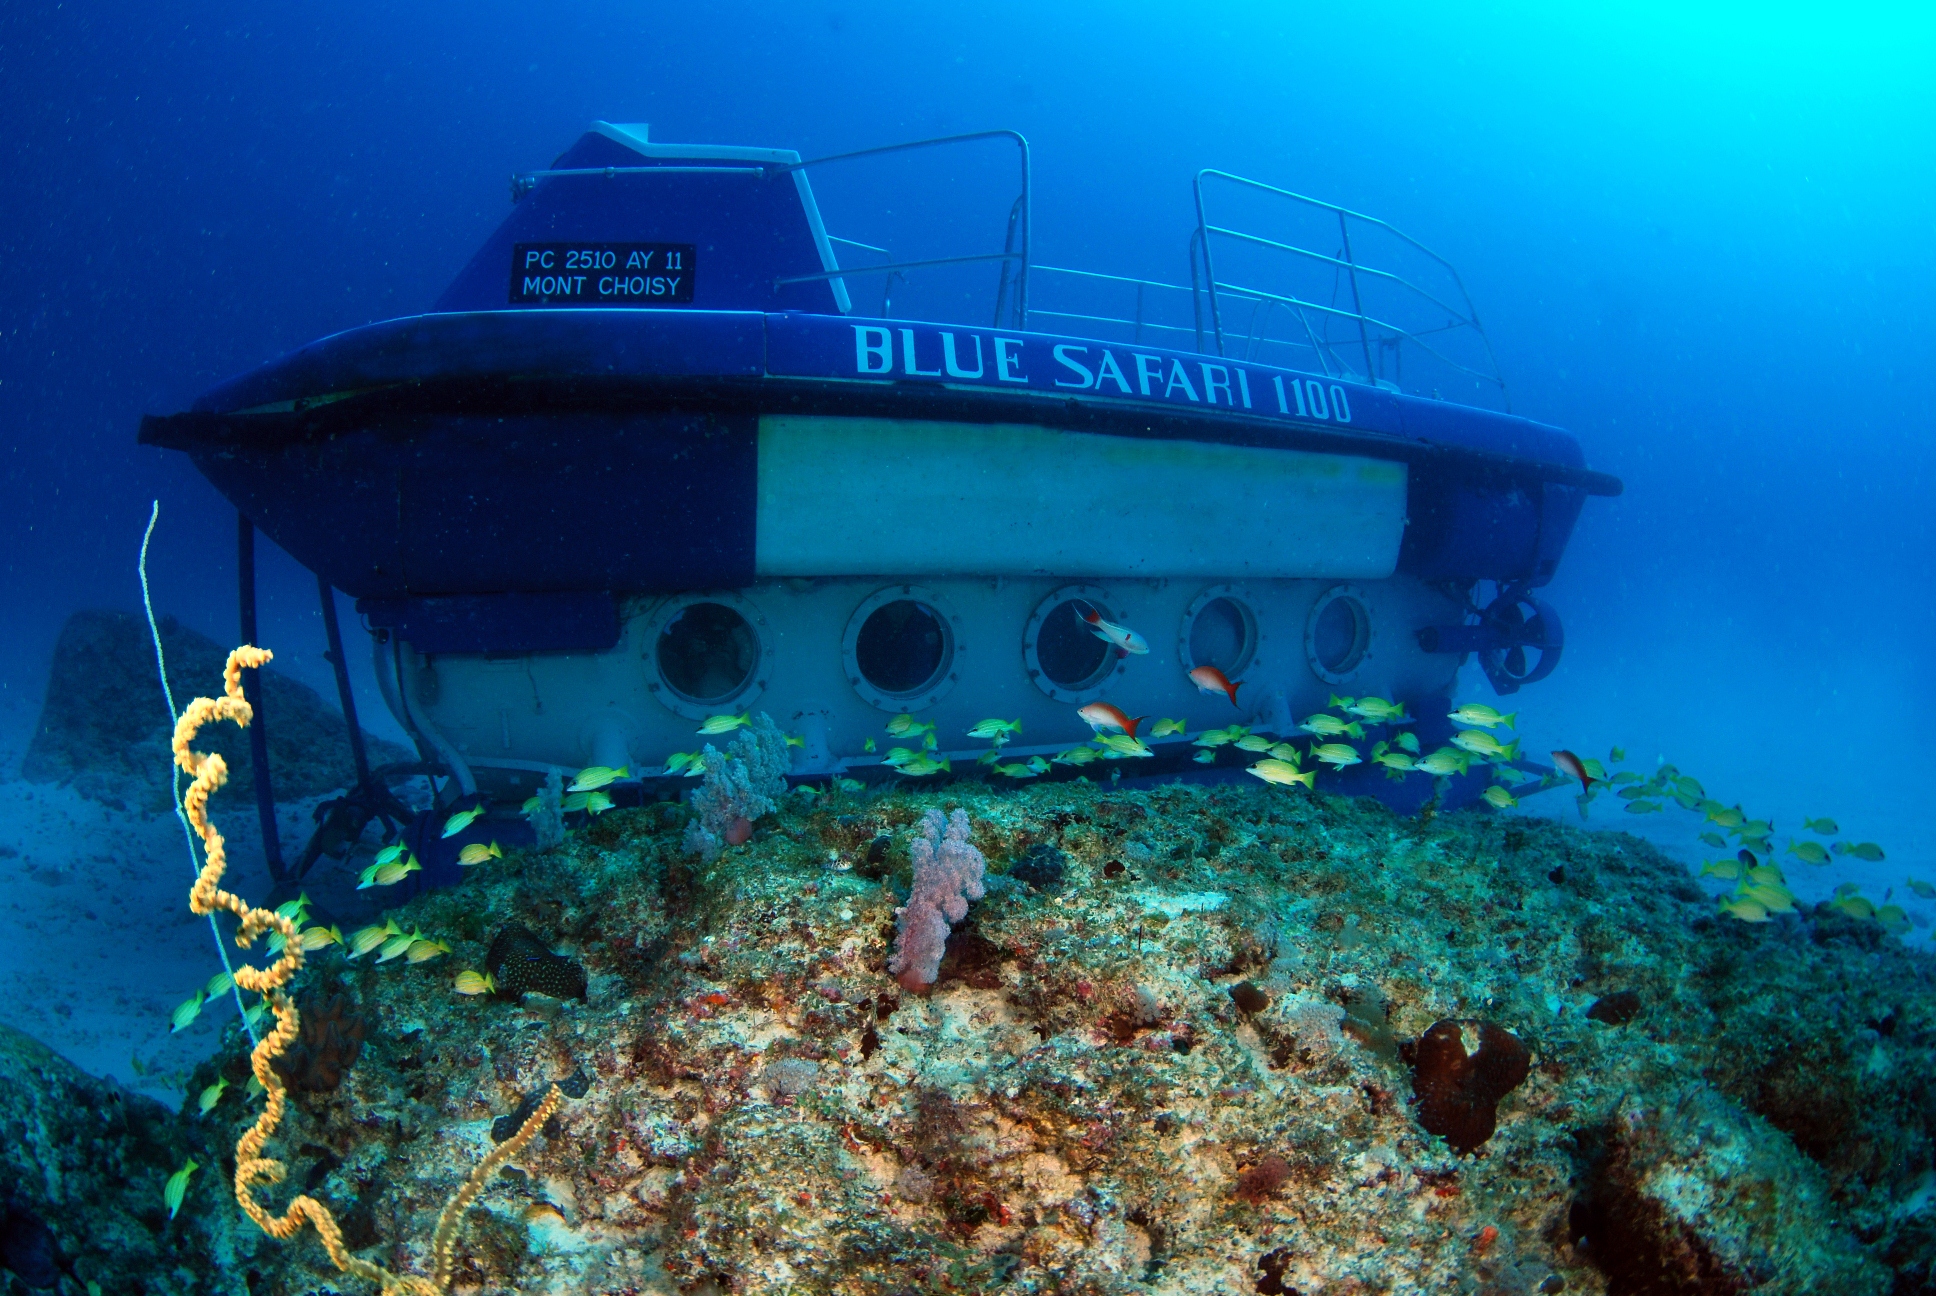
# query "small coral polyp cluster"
(1189, 1040)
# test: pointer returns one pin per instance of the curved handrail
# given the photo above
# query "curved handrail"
(1022, 213)
(1210, 288)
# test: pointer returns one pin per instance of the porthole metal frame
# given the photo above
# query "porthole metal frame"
(939, 685)
(1240, 596)
(678, 703)
(1098, 598)
(1324, 601)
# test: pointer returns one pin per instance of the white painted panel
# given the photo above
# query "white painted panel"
(902, 497)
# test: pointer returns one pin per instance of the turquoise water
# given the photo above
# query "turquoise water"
(1700, 238)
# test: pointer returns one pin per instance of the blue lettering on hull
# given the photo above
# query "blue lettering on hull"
(798, 347)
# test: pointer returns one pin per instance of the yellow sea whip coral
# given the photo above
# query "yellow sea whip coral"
(209, 773)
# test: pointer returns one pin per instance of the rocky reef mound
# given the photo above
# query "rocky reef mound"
(1205, 1052)
(104, 726)
(82, 1164)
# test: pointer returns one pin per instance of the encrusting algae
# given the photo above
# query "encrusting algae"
(209, 773)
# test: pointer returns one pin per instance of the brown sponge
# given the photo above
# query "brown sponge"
(328, 1043)
(1457, 1091)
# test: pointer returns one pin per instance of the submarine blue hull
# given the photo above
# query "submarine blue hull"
(451, 468)
(644, 464)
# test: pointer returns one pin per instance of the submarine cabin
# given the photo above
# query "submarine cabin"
(648, 460)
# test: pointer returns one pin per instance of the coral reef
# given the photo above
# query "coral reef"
(327, 1046)
(739, 787)
(1183, 1070)
(1616, 1009)
(948, 874)
(1263, 1179)
(1180, 1071)
(1041, 867)
(28, 1250)
(1690, 1194)
(547, 818)
(81, 1169)
(1314, 1021)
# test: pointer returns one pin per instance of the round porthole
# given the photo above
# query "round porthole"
(901, 648)
(1337, 635)
(1063, 655)
(1219, 629)
(707, 653)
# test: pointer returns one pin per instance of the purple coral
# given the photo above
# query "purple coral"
(947, 875)
(740, 786)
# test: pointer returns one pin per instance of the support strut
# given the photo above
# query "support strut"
(265, 796)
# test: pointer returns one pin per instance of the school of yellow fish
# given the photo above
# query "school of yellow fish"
(1328, 738)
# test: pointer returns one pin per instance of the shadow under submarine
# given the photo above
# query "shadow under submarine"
(645, 462)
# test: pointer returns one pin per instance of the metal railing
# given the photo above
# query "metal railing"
(1291, 328)
(1139, 321)
(1149, 297)
(1014, 256)
(1377, 339)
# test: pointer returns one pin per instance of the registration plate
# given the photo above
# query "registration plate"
(602, 274)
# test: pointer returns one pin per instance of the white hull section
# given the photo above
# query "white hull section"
(803, 650)
(850, 496)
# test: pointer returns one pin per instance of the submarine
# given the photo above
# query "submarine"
(648, 460)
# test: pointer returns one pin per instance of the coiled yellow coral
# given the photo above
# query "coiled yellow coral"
(209, 773)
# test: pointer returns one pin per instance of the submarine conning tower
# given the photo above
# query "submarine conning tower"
(656, 454)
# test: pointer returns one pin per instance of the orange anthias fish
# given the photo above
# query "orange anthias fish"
(1211, 680)
(1101, 716)
(1570, 765)
(1124, 640)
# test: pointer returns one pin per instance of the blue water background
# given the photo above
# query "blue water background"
(1700, 236)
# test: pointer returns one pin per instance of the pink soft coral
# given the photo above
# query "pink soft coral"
(947, 875)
